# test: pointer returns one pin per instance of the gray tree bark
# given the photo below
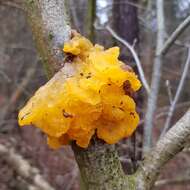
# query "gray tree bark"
(51, 28)
(100, 167)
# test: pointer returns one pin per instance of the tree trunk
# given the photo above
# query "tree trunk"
(125, 20)
(51, 28)
(100, 167)
(90, 18)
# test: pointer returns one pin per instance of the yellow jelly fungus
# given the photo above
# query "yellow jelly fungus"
(90, 95)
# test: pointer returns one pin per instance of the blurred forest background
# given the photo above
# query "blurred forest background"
(21, 74)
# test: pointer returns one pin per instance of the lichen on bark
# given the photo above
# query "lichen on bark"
(100, 166)
(50, 27)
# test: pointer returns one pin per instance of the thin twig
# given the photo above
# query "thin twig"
(177, 181)
(179, 30)
(177, 95)
(135, 56)
(23, 168)
(178, 42)
(156, 76)
(5, 76)
(17, 93)
(164, 111)
(170, 40)
(168, 85)
(179, 105)
(15, 4)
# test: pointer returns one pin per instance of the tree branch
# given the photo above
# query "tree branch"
(182, 180)
(179, 30)
(135, 56)
(156, 76)
(166, 148)
(168, 86)
(51, 29)
(16, 94)
(23, 168)
(12, 3)
(177, 95)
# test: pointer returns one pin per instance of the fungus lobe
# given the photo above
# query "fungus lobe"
(91, 94)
